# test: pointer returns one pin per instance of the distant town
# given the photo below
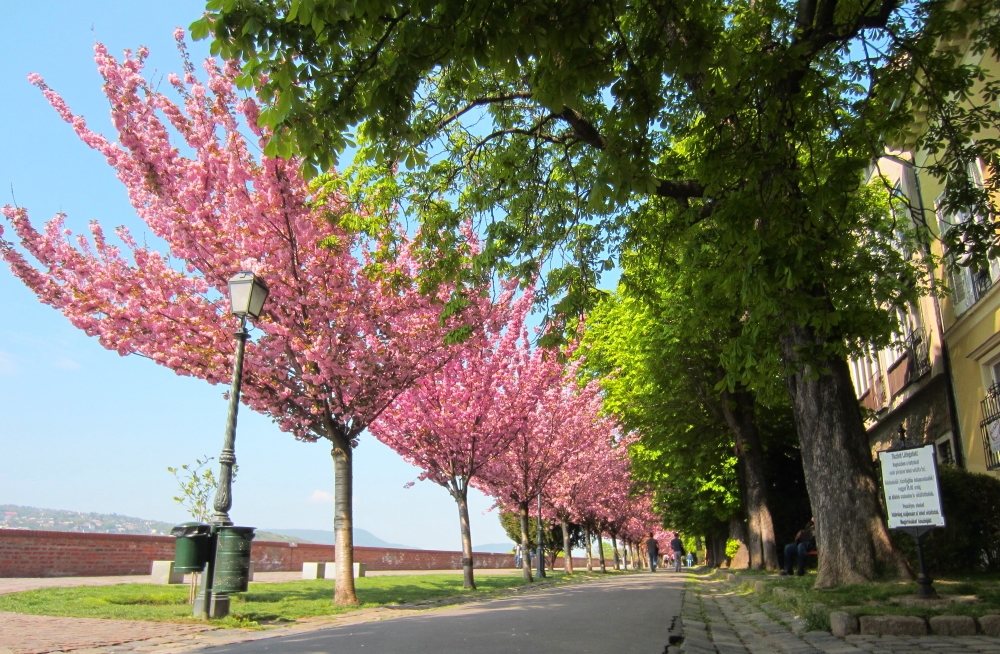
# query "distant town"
(13, 516)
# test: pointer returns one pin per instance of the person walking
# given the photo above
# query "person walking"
(678, 547)
(517, 556)
(653, 550)
(690, 560)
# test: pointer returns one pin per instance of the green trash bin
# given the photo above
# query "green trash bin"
(192, 547)
(232, 560)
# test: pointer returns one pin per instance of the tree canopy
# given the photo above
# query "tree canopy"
(739, 131)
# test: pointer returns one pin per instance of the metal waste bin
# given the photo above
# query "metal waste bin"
(192, 547)
(232, 559)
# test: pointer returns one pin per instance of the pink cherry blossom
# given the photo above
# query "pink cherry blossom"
(345, 329)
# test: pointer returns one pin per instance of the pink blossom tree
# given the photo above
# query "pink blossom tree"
(546, 444)
(345, 329)
(455, 421)
(577, 485)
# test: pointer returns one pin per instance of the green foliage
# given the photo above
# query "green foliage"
(197, 486)
(732, 547)
(970, 540)
(552, 536)
(578, 132)
(655, 381)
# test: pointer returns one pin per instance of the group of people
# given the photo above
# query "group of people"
(676, 546)
(652, 551)
(805, 543)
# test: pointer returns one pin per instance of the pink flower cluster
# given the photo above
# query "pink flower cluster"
(343, 332)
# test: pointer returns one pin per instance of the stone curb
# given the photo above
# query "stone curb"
(844, 624)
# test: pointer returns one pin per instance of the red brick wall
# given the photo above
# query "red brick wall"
(29, 553)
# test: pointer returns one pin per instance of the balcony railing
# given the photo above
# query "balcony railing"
(874, 398)
(914, 364)
(989, 428)
(982, 281)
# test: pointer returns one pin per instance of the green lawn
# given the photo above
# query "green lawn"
(878, 598)
(263, 604)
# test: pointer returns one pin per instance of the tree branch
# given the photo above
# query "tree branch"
(679, 189)
(478, 102)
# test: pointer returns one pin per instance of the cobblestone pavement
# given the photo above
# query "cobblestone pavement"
(714, 619)
(34, 634)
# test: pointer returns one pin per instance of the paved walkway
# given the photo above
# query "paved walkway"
(30, 634)
(19, 584)
(716, 620)
(624, 614)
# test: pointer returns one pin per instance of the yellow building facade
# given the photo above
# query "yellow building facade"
(961, 330)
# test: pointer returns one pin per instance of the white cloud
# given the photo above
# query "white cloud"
(7, 365)
(321, 496)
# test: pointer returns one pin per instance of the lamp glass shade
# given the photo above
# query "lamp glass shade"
(258, 295)
(247, 294)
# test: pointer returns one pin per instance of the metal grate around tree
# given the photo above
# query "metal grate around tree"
(991, 419)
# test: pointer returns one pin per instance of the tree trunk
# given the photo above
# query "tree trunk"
(716, 544)
(738, 409)
(343, 524)
(600, 551)
(462, 498)
(567, 548)
(851, 533)
(614, 549)
(628, 556)
(526, 557)
(738, 532)
(590, 554)
(698, 548)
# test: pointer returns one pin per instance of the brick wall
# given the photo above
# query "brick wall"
(29, 553)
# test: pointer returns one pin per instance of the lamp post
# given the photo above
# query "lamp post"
(247, 294)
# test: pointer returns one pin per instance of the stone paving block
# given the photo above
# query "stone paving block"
(828, 644)
(953, 625)
(843, 624)
(990, 625)
(892, 625)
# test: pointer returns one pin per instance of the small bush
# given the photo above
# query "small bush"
(970, 541)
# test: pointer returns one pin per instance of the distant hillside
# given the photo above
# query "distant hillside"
(362, 538)
(13, 516)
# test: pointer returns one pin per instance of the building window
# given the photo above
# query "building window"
(944, 448)
(968, 283)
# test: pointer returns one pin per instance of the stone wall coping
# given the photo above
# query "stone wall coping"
(87, 535)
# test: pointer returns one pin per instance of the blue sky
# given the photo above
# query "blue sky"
(82, 428)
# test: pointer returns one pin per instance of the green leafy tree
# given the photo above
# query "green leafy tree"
(552, 536)
(578, 130)
(197, 486)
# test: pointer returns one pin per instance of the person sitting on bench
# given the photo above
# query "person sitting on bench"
(805, 542)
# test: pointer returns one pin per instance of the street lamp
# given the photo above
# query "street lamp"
(247, 293)
(227, 561)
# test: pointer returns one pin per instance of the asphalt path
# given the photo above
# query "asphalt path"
(624, 614)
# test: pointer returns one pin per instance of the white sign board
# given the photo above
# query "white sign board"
(910, 485)
(993, 429)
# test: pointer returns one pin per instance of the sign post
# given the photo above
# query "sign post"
(912, 498)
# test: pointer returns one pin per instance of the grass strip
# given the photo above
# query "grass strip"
(265, 603)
